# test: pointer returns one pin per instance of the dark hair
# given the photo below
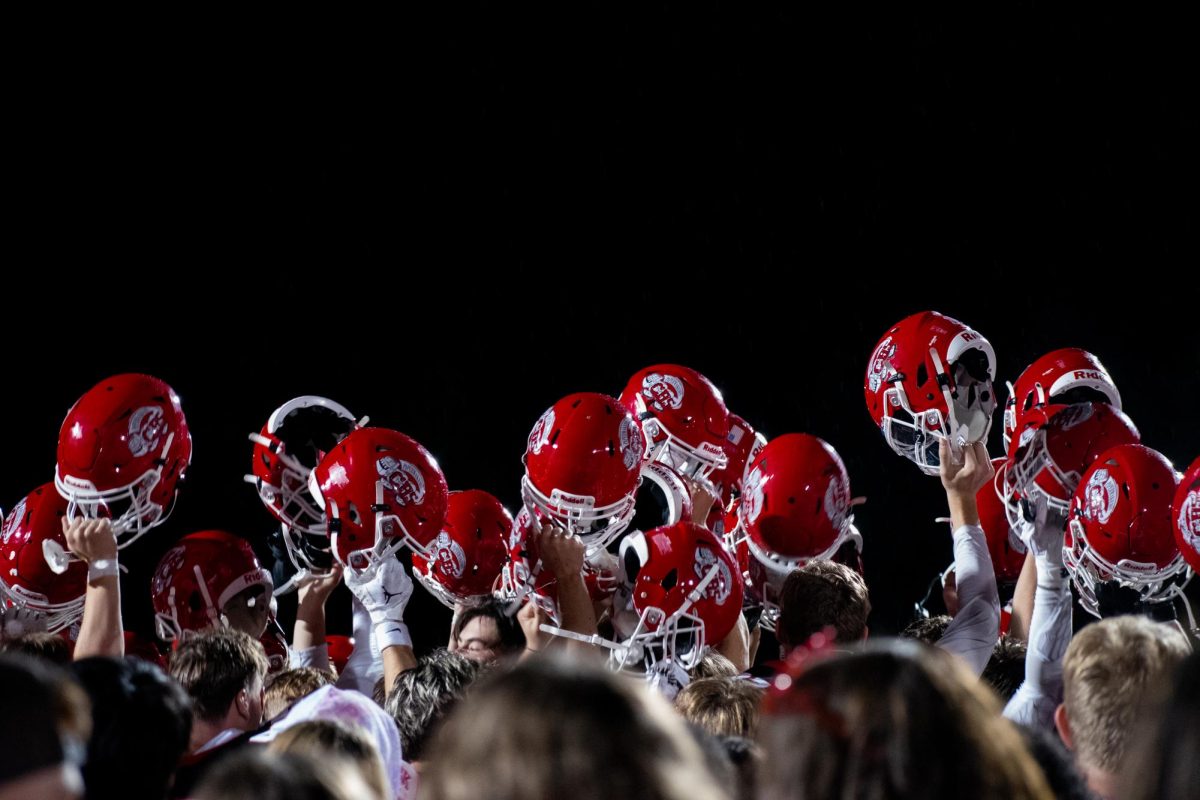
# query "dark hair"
(421, 696)
(47, 646)
(213, 666)
(254, 772)
(1005, 670)
(819, 595)
(44, 714)
(141, 725)
(512, 638)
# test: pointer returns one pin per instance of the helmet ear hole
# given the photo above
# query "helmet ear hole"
(670, 580)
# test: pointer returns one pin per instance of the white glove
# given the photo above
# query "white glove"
(668, 678)
(1044, 534)
(384, 592)
(16, 622)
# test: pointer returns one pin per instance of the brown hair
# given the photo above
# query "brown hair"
(897, 720)
(721, 706)
(819, 595)
(213, 666)
(554, 728)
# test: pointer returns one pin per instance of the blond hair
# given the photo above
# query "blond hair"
(322, 740)
(1108, 671)
(721, 706)
(290, 685)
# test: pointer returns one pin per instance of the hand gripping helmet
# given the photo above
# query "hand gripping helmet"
(295, 438)
(26, 579)
(123, 449)
(1119, 526)
(470, 550)
(930, 378)
(381, 490)
(686, 592)
(683, 417)
(197, 577)
(1055, 446)
(1065, 376)
(583, 464)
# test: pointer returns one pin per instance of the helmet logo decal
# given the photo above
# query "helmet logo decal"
(171, 563)
(451, 559)
(752, 495)
(539, 437)
(632, 446)
(1189, 519)
(146, 429)
(722, 583)
(837, 501)
(880, 368)
(1102, 496)
(13, 523)
(662, 391)
(403, 479)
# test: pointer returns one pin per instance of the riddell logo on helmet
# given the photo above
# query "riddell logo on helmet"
(1089, 375)
(1102, 496)
(632, 445)
(539, 437)
(403, 479)
(451, 559)
(663, 391)
(146, 428)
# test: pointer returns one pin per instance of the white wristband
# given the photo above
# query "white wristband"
(101, 568)
(392, 634)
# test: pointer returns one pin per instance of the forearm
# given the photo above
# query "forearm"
(1022, 613)
(101, 632)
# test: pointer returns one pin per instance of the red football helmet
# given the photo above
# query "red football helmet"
(1054, 377)
(1185, 511)
(929, 378)
(340, 650)
(1005, 547)
(124, 447)
(1119, 526)
(794, 508)
(470, 550)
(380, 490)
(26, 579)
(686, 591)
(296, 437)
(275, 644)
(741, 445)
(197, 577)
(683, 416)
(1055, 446)
(522, 574)
(583, 465)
